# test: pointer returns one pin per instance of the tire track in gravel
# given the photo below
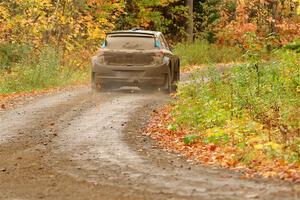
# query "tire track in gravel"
(23, 119)
(80, 145)
(96, 145)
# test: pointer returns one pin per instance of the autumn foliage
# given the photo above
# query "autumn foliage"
(274, 23)
(184, 141)
(63, 23)
(48, 43)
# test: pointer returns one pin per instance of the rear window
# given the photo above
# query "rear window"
(130, 42)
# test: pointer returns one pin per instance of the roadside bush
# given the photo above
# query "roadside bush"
(12, 53)
(45, 70)
(201, 52)
(251, 107)
(295, 46)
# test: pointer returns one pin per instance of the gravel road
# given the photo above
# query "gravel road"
(79, 145)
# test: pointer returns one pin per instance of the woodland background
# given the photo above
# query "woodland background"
(82, 23)
(246, 117)
(48, 43)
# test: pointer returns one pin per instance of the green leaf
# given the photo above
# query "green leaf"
(172, 127)
(190, 139)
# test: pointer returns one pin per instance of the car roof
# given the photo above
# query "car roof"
(136, 31)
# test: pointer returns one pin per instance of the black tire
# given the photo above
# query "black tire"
(99, 85)
(177, 73)
(176, 79)
(96, 86)
(169, 84)
(176, 76)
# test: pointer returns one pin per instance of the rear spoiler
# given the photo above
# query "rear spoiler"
(131, 32)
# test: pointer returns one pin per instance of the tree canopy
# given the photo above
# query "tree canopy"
(79, 23)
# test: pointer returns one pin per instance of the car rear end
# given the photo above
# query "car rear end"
(130, 59)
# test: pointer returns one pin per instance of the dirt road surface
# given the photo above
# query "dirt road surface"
(79, 145)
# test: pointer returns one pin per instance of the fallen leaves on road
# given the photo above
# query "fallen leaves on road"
(172, 139)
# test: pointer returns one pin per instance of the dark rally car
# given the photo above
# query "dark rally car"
(135, 58)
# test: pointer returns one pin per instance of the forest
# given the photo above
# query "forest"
(70, 27)
(248, 116)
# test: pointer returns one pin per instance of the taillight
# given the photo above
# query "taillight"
(160, 54)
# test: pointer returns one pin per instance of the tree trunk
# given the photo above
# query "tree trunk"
(272, 30)
(129, 5)
(274, 16)
(190, 22)
(130, 16)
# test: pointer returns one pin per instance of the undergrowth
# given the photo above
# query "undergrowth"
(24, 69)
(253, 108)
(201, 52)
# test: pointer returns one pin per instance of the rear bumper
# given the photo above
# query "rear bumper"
(132, 75)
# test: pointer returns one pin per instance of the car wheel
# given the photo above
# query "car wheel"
(99, 85)
(176, 76)
(95, 83)
(177, 73)
(170, 86)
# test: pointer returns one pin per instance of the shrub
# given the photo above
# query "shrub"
(12, 53)
(252, 105)
(201, 52)
(44, 70)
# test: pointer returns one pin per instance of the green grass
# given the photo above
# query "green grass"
(201, 52)
(37, 71)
